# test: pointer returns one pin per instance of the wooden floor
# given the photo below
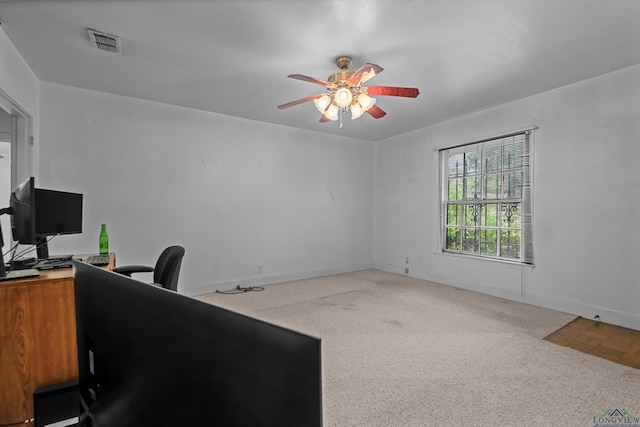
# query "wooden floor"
(615, 343)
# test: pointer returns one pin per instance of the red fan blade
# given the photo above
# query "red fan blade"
(299, 101)
(409, 92)
(309, 79)
(376, 112)
(323, 119)
(364, 73)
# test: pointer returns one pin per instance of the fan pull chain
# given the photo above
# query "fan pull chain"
(340, 113)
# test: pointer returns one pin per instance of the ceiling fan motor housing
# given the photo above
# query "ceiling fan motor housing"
(343, 62)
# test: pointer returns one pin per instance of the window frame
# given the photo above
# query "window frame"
(502, 203)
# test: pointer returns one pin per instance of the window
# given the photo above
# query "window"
(486, 199)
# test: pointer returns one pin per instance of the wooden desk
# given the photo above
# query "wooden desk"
(37, 339)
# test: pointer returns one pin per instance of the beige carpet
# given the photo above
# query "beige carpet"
(399, 351)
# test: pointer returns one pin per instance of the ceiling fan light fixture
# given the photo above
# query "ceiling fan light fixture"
(345, 91)
(361, 105)
(332, 112)
(366, 101)
(322, 103)
(356, 110)
(343, 97)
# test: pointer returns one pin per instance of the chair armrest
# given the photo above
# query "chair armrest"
(128, 270)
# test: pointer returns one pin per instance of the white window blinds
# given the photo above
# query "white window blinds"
(486, 198)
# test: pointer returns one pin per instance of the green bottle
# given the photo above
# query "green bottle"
(104, 240)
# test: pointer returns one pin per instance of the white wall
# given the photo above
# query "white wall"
(586, 204)
(235, 193)
(16, 78)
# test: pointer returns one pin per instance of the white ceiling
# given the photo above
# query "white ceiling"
(232, 56)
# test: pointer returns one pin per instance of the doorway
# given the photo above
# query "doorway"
(5, 173)
(16, 155)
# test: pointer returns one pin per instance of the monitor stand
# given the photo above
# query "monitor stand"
(42, 248)
(17, 274)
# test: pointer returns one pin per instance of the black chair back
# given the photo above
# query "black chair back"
(167, 268)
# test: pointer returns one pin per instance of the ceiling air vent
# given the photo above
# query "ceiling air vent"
(104, 41)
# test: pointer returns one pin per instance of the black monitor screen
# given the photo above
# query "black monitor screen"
(57, 212)
(148, 356)
(23, 213)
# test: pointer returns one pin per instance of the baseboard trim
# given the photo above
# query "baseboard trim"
(627, 320)
(269, 280)
(587, 311)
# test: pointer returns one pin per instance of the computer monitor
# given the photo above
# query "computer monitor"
(22, 214)
(57, 212)
(37, 214)
(23, 226)
(148, 356)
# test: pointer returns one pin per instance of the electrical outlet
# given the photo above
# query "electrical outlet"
(259, 269)
(406, 271)
(407, 260)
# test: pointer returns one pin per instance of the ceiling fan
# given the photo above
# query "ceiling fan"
(345, 92)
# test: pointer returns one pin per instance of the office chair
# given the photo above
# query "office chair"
(166, 271)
